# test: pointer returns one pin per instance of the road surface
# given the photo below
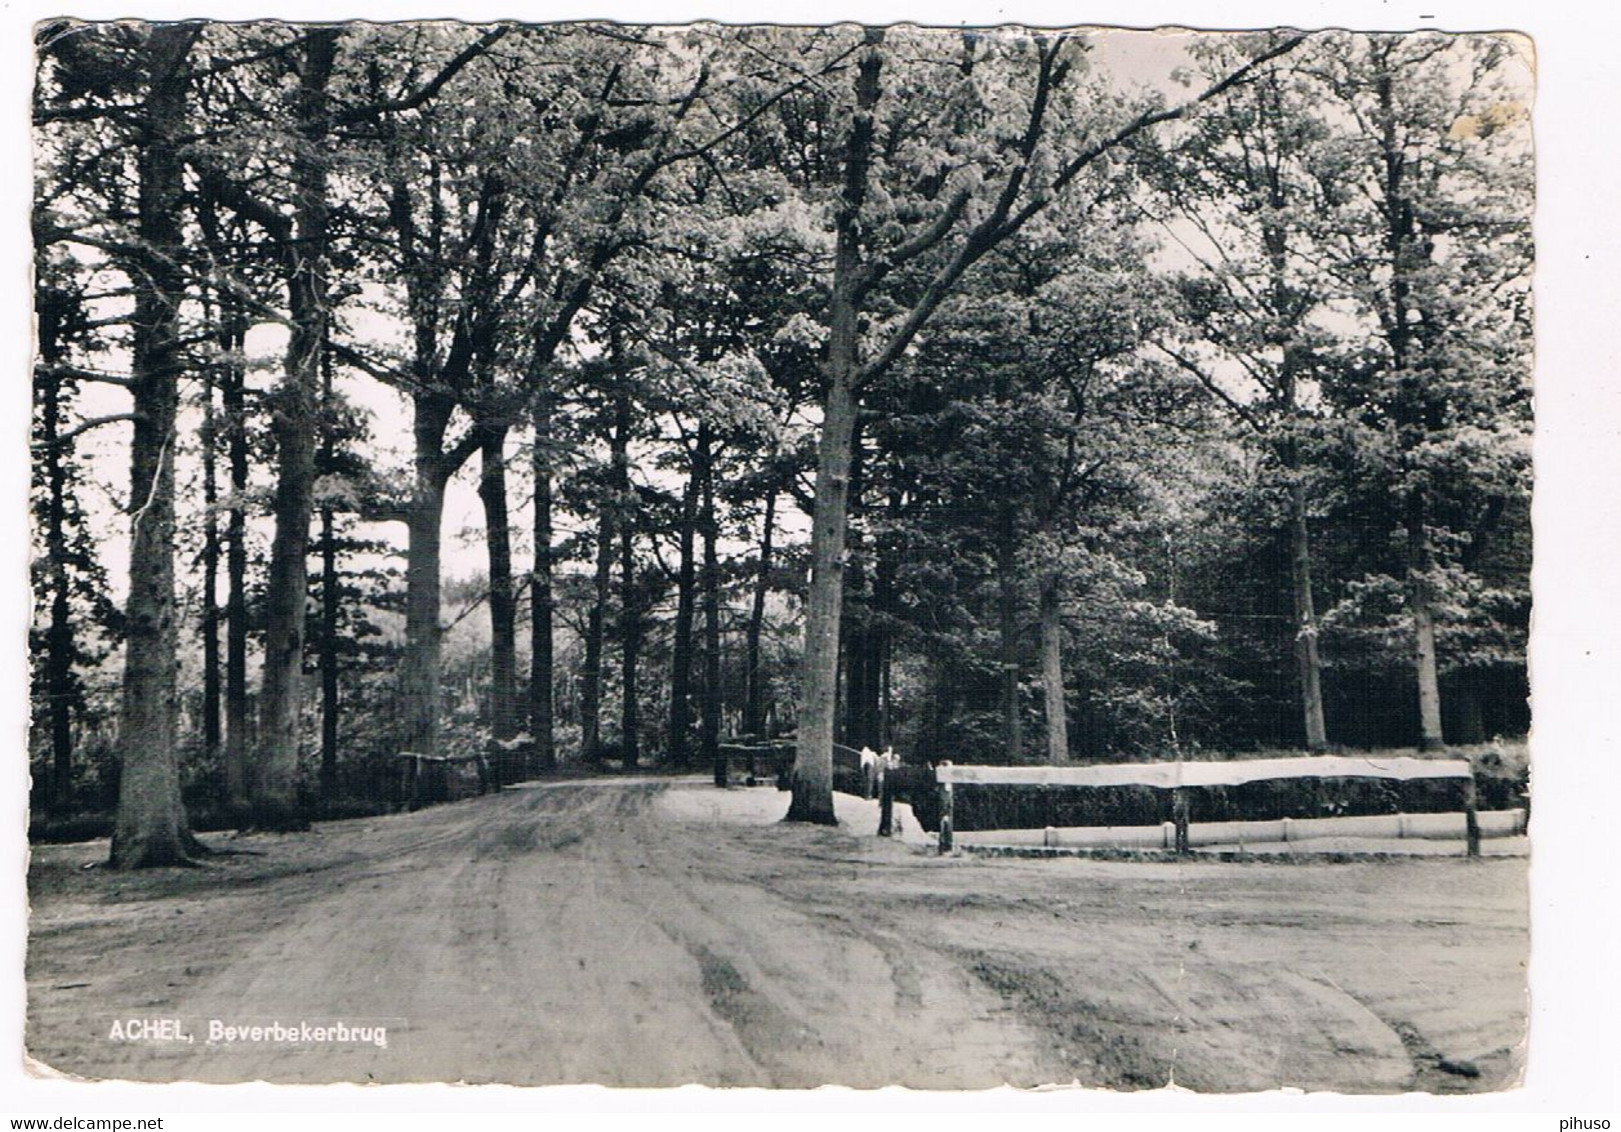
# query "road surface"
(649, 932)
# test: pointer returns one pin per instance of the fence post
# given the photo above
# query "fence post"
(415, 803)
(886, 799)
(1471, 818)
(947, 801)
(1179, 812)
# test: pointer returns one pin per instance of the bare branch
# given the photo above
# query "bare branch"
(462, 451)
(236, 196)
(79, 373)
(930, 237)
(1002, 222)
(1142, 122)
(412, 101)
(94, 422)
(1239, 409)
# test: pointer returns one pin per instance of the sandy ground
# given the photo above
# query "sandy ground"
(654, 933)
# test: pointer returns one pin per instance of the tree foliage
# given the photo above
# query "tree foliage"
(903, 387)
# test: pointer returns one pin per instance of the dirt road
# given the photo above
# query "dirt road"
(596, 932)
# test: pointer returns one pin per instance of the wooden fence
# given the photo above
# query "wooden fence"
(421, 780)
(1184, 778)
(854, 772)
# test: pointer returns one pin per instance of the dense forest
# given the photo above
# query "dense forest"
(987, 395)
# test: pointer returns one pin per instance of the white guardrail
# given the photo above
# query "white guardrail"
(1182, 778)
(1415, 827)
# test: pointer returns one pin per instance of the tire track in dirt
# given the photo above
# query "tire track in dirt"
(574, 932)
(815, 997)
(557, 934)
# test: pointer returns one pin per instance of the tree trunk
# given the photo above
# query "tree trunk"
(630, 641)
(886, 692)
(236, 572)
(681, 641)
(273, 799)
(492, 492)
(541, 714)
(228, 424)
(59, 643)
(1410, 410)
(208, 439)
(869, 717)
(852, 639)
(813, 758)
(273, 784)
(863, 643)
(1306, 655)
(630, 617)
(1052, 672)
(1008, 620)
(883, 597)
(441, 378)
(754, 703)
(1307, 660)
(591, 667)
(863, 654)
(1429, 689)
(709, 728)
(150, 828)
(331, 703)
(331, 601)
(1430, 737)
(419, 667)
(59, 688)
(860, 667)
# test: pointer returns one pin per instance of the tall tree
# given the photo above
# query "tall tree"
(575, 186)
(232, 335)
(624, 510)
(69, 581)
(55, 311)
(273, 785)
(436, 382)
(541, 600)
(709, 715)
(227, 243)
(681, 633)
(492, 489)
(1435, 254)
(1244, 183)
(1019, 143)
(595, 636)
(213, 685)
(151, 827)
(331, 597)
(754, 694)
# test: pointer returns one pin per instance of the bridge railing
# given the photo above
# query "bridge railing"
(1184, 778)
